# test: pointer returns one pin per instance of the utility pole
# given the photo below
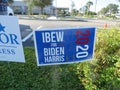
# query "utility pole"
(3, 7)
(56, 8)
(95, 5)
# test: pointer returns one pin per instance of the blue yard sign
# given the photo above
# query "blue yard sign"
(63, 46)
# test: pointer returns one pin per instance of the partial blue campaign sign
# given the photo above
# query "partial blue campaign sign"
(11, 48)
(64, 46)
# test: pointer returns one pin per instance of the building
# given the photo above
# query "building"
(20, 7)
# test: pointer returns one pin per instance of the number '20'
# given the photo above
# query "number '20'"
(82, 39)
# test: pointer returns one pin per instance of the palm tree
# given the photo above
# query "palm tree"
(72, 4)
(85, 9)
(42, 3)
(89, 3)
(30, 6)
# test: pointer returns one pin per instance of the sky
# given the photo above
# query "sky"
(81, 3)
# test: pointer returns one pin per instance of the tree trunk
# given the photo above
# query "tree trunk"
(42, 10)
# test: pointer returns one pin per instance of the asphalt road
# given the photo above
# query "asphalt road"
(34, 24)
(25, 31)
(27, 25)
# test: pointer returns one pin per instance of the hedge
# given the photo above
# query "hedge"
(28, 76)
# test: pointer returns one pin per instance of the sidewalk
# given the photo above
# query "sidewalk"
(51, 18)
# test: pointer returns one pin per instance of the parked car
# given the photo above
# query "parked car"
(117, 15)
(10, 11)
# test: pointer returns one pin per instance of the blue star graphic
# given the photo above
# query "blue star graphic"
(2, 28)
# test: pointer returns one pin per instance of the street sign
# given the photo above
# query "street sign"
(11, 48)
(63, 46)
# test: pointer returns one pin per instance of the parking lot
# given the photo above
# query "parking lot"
(28, 25)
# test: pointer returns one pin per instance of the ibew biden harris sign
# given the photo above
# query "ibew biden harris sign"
(63, 46)
(11, 48)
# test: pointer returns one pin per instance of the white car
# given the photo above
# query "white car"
(117, 15)
(10, 11)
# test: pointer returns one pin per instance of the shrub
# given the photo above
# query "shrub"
(103, 73)
(28, 76)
